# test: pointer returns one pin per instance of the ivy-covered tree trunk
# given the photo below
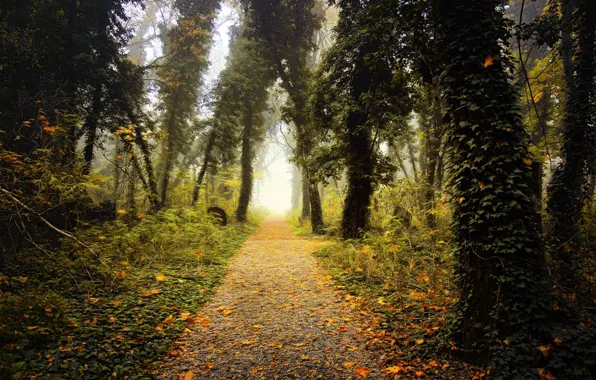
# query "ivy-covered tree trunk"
(500, 263)
(91, 125)
(246, 175)
(204, 166)
(141, 140)
(567, 191)
(360, 170)
(433, 144)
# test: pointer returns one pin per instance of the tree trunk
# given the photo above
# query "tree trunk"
(145, 151)
(169, 157)
(360, 169)
(568, 185)
(316, 215)
(433, 144)
(204, 166)
(305, 196)
(500, 263)
(412, 157)
(296, 187)
(246, 168)
(91, 129)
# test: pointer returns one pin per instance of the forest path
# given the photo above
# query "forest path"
(276, 315)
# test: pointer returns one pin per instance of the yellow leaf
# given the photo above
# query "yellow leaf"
(160, 277)
(93, 300)
(544, 349)
(527, 161)
(362, 371)
(349, 364)
(154, 291)
(257, 326)
(395, 370)
(32, 327)
(186, 375)
(122, 274)
(121, 212)
(461, 200)
(247, 342)
(489, 61)
(419, 341)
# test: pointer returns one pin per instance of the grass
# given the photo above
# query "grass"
(81, 318)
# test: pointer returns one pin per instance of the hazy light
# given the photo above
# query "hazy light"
(273, 189)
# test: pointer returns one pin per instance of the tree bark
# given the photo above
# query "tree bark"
(567, 188)
(204, 166)
(146, 152)
(246, 168)
(360, 169)
(91, 128)
(296, 187)
(500, 264)
(305, 196)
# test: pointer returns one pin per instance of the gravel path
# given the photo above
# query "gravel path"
(277, 315)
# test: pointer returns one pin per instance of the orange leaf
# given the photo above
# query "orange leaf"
(489, 61)
(186, 375)
(545, 374)
(395, 370)
(158, 329)
(419, 374)
(362, 371)
(349, 364)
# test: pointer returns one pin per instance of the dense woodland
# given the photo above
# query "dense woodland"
(447, 147)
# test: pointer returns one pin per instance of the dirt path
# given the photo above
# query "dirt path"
(275, 316)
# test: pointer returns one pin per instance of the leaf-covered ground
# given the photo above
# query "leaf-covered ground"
(277, 315)
(51, 331)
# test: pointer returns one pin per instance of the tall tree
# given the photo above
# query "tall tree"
(186, 46)
(568, 188)
(285, 29)
(369, 87)
(501, 267)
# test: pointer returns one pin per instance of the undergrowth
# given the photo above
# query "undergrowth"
(111, 316)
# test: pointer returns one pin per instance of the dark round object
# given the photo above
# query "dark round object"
(219, 215)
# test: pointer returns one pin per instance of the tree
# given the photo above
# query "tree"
(186, 46)
(501, 267)
(369, 88)
(285, 30)
(567, 190)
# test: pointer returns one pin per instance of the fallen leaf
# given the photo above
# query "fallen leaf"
(394, 370)
(186, 375)
(158, 329)
(247, 342)
(489, 61)
(545, 349)
(362, 371)
(349, 364)
(545, 374)
(93, 300)
(527, 161)
(419, 374)
(160, 277)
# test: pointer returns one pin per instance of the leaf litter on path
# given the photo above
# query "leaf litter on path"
(277, 315)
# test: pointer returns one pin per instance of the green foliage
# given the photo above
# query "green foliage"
(113, 318)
